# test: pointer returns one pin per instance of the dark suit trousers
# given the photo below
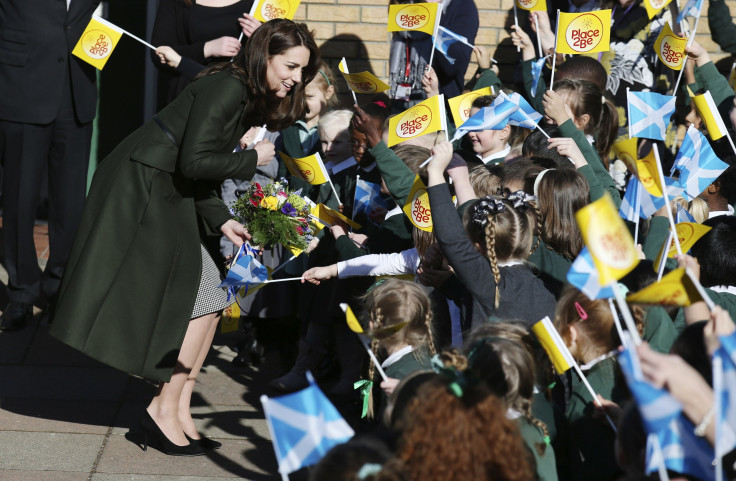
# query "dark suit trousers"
(26, 149)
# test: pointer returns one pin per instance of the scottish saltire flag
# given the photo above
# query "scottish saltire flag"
(537, 67)
(494, 117)
(525, 116)
(246, 269)
(649, 114)
(724, 390)
(692, 9)
(367, 198)
(648, 204)
(682, 215)
(584, 276)
(304, 425)
(445, 38)
(698, 165)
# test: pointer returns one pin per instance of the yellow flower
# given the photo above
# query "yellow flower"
(270, 202)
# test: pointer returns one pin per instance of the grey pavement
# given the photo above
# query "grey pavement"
(66, 417)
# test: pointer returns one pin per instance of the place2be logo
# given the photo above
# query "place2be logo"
(275, 9)
(672, 51)
(363, 86)
(584, 33)
(421, 213)
(97, 44)
(413, 17)
(414, 122)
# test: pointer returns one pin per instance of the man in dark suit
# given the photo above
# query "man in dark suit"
(48, 102)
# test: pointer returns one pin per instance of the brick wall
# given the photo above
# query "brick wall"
(356, 29)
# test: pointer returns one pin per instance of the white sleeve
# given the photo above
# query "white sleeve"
(405, 262)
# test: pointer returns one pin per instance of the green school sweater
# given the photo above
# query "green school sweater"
(533, 436)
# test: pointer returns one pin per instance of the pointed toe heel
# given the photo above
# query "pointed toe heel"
(153, 435)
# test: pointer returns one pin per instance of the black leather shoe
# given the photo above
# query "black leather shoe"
(15, 316)
(205, 442)
(153, 435)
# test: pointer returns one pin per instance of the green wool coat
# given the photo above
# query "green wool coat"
(132, 277)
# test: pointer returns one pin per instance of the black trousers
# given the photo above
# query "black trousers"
(27, 151)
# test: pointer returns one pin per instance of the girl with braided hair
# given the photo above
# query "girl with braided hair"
(490, 257)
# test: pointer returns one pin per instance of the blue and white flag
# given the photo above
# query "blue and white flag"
(494, 117)
(537, 67)
(648, 204)
(246, 270)
(584, 276)
(682, 215)
(304, 425)
(724, 390)
(649, 114)
(698, 165)
(692, 9)
(525, 116)
(367, 198)
(445, 38)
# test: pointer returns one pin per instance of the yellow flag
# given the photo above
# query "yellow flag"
(329, 217)
(265, 10)
(654, 6)
(309, 169)
(417, 206)
(608, 240)
(460, 105)
(648, 175)
(414, 16)
(540, 5)
(688, 234)
(674, 289)
(586, 32)
(670, 48)
(97, 42)
(362, 82)
(352, 321)
(709, 113)
(551, 341)
(627, 151)
(424, 118)
(230, 321)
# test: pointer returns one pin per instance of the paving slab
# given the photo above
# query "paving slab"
(152, 477)
(13, 475)
(60, 416)
(62, 382)
(48, 451)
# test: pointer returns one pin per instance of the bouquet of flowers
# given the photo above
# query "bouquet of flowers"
(275, 215)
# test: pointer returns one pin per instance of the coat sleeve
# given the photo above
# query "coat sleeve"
(215, 110)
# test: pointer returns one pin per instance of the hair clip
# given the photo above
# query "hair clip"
(369, 469)
(581, 312)
(484, 207)
(380, 103)
(521, 199)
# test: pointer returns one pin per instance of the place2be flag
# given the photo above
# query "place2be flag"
(674, 289)
(265, 10)
(97, 42)
(310, 169)
(460, 106)
(540, 5)
(670, 48)
(422, 17)
(688, 234)
(586, 32)
(417, 206)
(609, 241)
(362, 82)
(553, 344)
(424, 118)
(654, 6)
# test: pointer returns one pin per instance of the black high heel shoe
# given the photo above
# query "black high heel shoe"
(158, 439)
(205, 442)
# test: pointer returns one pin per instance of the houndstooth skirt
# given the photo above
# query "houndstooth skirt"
(210, 298)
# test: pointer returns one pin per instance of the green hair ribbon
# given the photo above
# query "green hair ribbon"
(365, 386)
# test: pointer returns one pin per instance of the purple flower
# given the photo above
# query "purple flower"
(288, 209)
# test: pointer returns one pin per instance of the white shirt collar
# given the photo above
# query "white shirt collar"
(395, 211)
(498, 155)
(396, 356)
(716, 213)
(726, 289)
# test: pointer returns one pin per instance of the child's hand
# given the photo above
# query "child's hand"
(359, 239)
(430, 82)
(389, 385)
(441, 157)
(719, 325)
(603, 407)
(377, 215)
(168, 56)
(317, 274)
(339, 228)
(556, 108)
(482, 57)
(433, 277)
(248, 24)
(364, 123)
(541, 26)
(520, 39)
(567, 147)
(689, 262)
(266, 152)
(312, 244)
(248, 137)
(697, 53)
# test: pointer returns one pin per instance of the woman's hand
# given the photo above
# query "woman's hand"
(317, 274)
(441, 157)
(556, 108)
(430, 82)
(168, 56)
(266, 152)
(568, 148)
(364, 123)
(235, 232)
(697, 53)
(521, 40)
(249, 24)
(222, 47)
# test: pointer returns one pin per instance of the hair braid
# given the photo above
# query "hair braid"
(371, 376)
(491, 252)
(430, 340)
(527, 412)
(539, 222)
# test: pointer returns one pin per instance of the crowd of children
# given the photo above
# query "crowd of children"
(504, 236)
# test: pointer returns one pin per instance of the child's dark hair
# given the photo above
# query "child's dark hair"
(579, 67)
(503, 231)
(690, 346)
(378, 107)
(587, 99)
(716, 252)
(364, 455)
(536, 145)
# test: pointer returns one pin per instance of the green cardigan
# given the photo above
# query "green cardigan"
(131, 281)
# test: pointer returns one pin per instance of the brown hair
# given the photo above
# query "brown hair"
(326, 79)
(586, 98)
(504, 235)
(561, 193)
(486, 180)
(251, 66)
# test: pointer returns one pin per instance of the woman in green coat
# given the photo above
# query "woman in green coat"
(138, 292)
